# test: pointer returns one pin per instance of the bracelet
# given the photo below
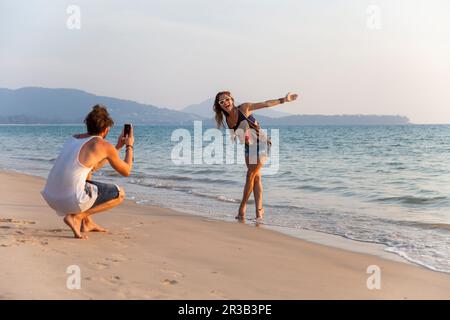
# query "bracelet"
(129, 146)
(282, 100)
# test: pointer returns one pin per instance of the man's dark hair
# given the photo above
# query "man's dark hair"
(98, 120)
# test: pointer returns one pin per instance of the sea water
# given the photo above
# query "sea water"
(381, 184)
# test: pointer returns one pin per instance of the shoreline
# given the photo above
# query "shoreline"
(325, 239)
(158, 253)
(313, 236)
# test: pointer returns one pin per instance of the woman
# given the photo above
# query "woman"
(239, 118)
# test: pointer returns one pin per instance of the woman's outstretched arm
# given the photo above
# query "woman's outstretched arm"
(249, 107)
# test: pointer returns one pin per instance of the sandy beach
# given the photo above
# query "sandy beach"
(157, 253)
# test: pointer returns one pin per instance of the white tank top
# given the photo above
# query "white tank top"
(65, 190)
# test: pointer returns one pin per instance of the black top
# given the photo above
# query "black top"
(241, 117)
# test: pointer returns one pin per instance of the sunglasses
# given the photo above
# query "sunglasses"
(222, 102)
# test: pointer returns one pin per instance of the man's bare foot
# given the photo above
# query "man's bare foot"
(88, 225)
(74, 222)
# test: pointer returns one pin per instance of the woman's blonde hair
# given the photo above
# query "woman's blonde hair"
(220, 119)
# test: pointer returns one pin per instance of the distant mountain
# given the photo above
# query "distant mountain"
(331, 120)
(274, 117)
(205, 110)
(42, 105)
(340, 120)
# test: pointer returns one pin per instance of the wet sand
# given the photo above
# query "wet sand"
(156, 253)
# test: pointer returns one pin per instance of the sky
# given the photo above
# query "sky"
(341, 56)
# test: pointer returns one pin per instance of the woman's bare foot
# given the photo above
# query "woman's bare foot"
(88, 225)
(260, 214)
(74, 222)
(241, 215)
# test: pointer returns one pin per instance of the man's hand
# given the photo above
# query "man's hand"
(120, 141)
(129, 140)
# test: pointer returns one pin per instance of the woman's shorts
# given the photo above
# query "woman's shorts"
(255, 152)
(105, 192)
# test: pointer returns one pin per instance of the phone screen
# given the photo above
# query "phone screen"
(127, 129)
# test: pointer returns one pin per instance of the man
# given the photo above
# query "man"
(69, 190)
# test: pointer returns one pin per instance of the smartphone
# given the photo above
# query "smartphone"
(126, 129)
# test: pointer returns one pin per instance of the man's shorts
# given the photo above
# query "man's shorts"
(105, 192)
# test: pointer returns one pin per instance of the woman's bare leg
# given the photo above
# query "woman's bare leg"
(257, 193)
(253, 170)
(258, 189)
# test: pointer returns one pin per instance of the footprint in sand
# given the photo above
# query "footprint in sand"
(116, 258)
(27, 241)
(101, 265)
(106, 262)
(119, 244)
(109, 280)
(8, 220)
(119, 233)
(57, 230)
(14, 228)
(168, 282)
(19, 234)
(63, 252)
(7, 241)
(119, 241)
(173, 273)
(217, 294)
